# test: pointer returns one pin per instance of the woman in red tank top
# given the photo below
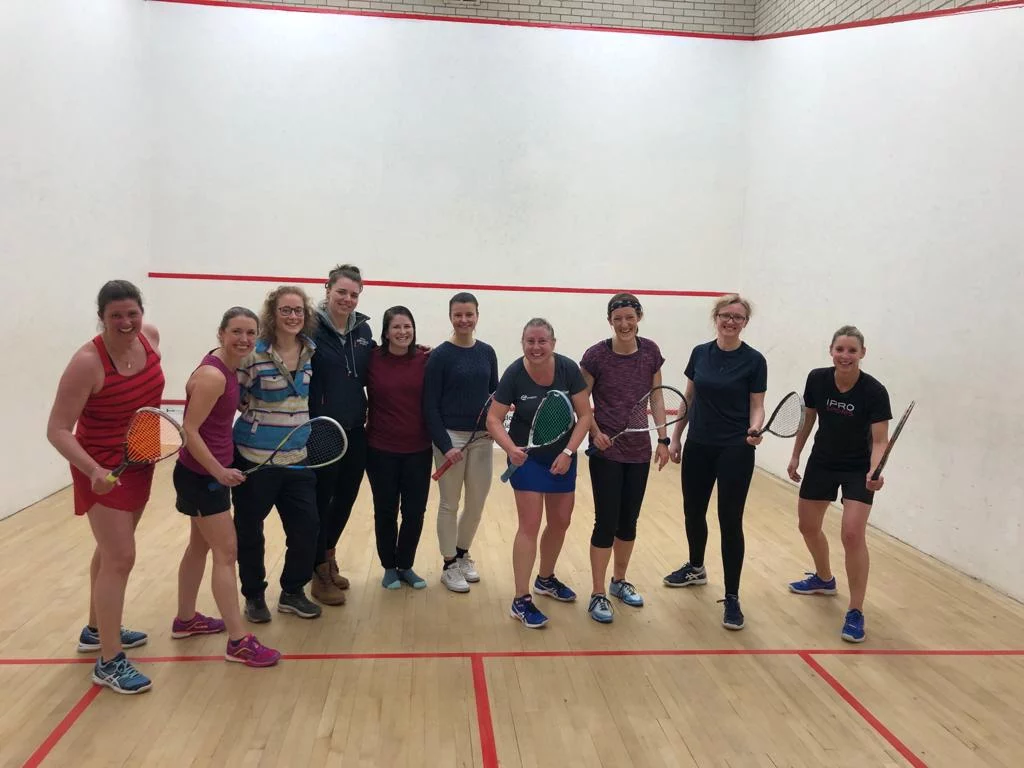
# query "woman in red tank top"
(202, 478)
(107, 380)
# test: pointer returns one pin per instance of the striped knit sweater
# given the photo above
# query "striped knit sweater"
(272, 401)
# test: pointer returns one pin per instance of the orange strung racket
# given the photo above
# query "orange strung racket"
(152, 435)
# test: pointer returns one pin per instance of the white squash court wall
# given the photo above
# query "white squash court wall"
(886, 189)
(74, 206)
(870, 176)
(286, 143)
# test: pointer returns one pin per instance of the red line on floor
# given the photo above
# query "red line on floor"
(864, 712)
(63, 726)
(546, 654)
(485, 724)
(432, 286)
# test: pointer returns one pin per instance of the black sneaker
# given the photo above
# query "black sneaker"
(733, 618)
(687, 575)
(299, 604)
(256, 610)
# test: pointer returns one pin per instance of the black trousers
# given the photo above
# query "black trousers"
(618, 495)
(399, 481)
(293, 492)
(732, 468)
(337, 487)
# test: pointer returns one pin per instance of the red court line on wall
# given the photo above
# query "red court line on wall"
(485, 724)
(892, 20)
(433, 286)
(616, 30)
(464, 20)
(63, 726)
(864, 712)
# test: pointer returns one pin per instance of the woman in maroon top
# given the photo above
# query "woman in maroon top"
(399, 453)
(619, 371)
(107, 380)
(202, 478)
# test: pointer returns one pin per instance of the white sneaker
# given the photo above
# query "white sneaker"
(468, 568)
(453, 579)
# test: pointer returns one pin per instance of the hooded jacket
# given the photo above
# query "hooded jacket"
(340, 368)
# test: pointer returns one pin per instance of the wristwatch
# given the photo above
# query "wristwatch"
(665, 440)
(568, 453)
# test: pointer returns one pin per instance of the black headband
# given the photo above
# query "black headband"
(625, 303)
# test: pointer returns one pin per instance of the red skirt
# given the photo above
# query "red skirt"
(130, 494)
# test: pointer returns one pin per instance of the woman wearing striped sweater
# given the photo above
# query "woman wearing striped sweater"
(274, 383)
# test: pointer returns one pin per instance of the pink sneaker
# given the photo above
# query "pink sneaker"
(250, 652)
(197, 625)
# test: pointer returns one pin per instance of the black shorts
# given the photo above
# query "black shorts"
(195, 498)
(823, 484)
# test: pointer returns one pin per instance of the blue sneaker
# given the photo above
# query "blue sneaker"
(391, 579)
(813, 585)
(89, 640)
(410, 577)
(687, 575)
(600, 609)
(626, 592)
(552, 587)
(733, 617)
(524, 610)
(120, 676)
(853, 627)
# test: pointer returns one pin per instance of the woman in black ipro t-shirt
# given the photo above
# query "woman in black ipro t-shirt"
(853, 411)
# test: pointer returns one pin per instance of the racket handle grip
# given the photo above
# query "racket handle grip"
(508, 473)
(877, 473)
(442, 469)
(591, 450)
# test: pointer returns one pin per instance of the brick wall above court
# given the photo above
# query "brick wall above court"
(774, 16)
(740, 18)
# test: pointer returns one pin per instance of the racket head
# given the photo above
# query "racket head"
(892, 441)
(661, 407)
(479, 432)
(152, 435)
(553, 418)
(788, 417)
(319, 442)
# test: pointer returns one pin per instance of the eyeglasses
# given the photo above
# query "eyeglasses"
(286, 311)
(732, 318)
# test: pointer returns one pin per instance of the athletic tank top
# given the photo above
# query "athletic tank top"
(216, 430)
(104, 420)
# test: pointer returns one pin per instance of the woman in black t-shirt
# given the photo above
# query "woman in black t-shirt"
(725, 384)
(546, 477)
(854, 414)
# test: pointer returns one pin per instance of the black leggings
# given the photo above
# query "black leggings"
(399, 481)
(732, 466)
(293, 492)
(618, 494)
(337, 487)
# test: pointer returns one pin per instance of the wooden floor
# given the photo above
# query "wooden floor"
(433, 678)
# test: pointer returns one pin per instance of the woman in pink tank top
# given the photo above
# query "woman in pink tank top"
(202, 478)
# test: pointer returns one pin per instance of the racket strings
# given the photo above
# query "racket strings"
(325, 441)
(667, 406)
(553, 419)
(641, 414)
(788, 418)
(144, 443)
